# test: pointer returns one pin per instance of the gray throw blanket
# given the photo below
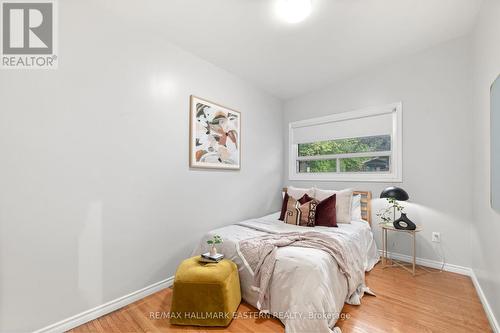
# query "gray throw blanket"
(260, 255)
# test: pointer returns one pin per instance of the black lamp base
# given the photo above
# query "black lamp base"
(404, 223)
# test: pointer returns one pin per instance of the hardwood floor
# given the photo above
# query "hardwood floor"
(430, 302)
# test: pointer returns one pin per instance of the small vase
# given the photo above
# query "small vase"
(213, 250)
(404, 223)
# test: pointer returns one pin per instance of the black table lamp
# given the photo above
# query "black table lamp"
(399, 194)
(395, 193)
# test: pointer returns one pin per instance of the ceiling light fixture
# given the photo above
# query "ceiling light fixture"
(293, 11)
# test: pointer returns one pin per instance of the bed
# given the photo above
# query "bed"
(307, 290)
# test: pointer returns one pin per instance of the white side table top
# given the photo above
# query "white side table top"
(391, 227)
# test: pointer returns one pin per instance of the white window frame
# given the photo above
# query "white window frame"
(396, 153)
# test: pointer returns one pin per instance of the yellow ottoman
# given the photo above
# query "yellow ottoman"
(205, 294)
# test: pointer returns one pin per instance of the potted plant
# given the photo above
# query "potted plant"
(216, 239)
(385, 213)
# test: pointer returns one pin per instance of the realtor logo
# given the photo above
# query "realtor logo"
(28, 34)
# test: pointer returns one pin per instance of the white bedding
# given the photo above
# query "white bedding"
(307, 290)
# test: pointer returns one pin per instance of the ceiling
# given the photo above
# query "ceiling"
(338, 40)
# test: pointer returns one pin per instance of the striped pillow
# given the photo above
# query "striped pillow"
(308, 211)
(284, 206)
(295, 210)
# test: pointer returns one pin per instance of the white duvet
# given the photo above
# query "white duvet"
(307, 291)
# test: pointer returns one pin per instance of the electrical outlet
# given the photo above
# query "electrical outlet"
(436, 237)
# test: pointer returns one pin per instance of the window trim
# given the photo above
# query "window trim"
(396, 156)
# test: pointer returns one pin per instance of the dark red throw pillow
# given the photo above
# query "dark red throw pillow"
(326, 212)
(305, 198)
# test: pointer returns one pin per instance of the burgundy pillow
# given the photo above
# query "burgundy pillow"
(305, 198)
(325, 212)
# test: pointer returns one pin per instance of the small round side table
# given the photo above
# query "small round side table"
(396, 263)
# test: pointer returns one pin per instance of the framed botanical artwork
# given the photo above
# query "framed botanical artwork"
(214, 135)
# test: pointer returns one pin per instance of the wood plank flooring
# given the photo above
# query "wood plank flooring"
(430, 302)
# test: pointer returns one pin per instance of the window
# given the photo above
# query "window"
(362, 145)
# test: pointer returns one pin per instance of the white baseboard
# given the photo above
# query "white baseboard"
(431, 263)
(460, 270)
(101, 310)
(487, 308)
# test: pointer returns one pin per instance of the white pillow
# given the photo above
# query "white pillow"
(356, 208)
(343, 202)
(297, 192)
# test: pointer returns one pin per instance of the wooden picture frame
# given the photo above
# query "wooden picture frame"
(214, 135)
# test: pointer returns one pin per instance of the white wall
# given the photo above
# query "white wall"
(96, 197)
(434, 87)
(485, 240)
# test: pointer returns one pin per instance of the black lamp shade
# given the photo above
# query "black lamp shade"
(396, 193)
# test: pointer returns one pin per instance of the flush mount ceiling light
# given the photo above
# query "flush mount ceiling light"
(293, 11)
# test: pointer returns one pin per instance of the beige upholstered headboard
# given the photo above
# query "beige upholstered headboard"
(366, 204)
